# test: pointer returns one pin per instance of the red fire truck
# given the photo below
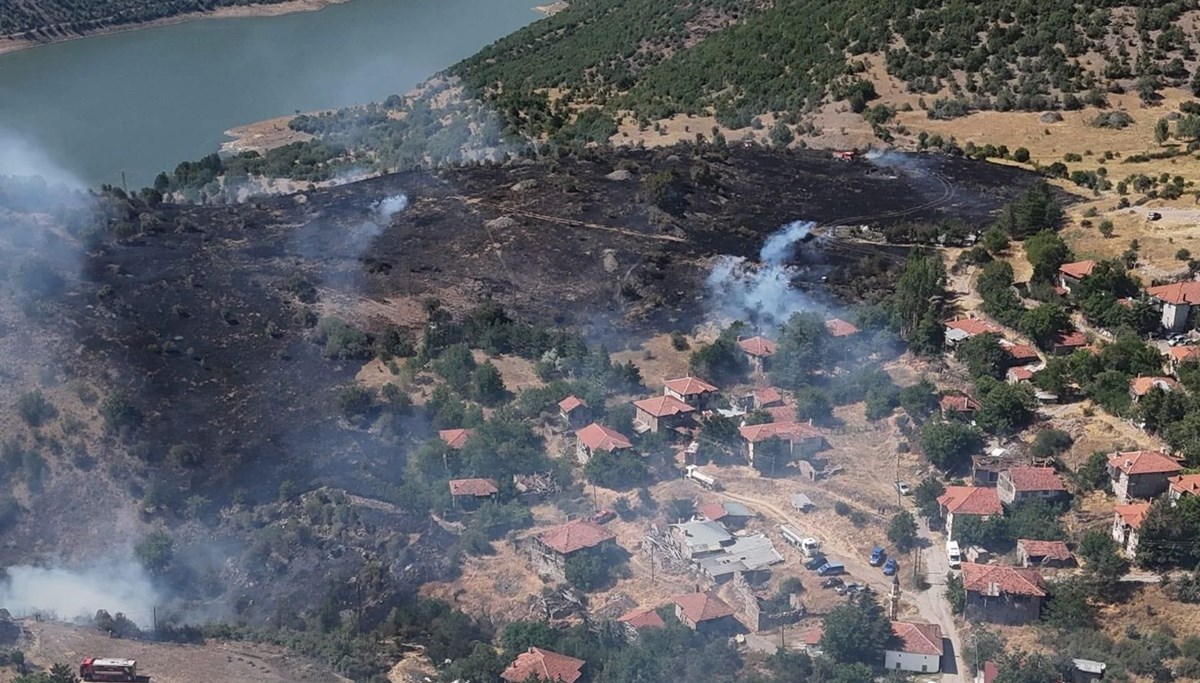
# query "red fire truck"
(98, 669)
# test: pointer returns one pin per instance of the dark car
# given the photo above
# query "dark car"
(890, 567)
(877, 556)
(815, 563)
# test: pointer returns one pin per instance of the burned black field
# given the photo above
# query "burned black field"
(199, 321)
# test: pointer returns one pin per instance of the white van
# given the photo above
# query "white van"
(953, 554)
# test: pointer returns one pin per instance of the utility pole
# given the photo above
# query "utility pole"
(124, 188)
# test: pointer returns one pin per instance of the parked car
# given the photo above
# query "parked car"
(1176, 340)
(1154, 215)
(851, 589)
(903, 488)
(953, 554)
(815, 563)
(890, 567)
(832, 582)
(877, 556)
(831, 568)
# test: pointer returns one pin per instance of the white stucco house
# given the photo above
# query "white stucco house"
(914, 647)
(1177, 300)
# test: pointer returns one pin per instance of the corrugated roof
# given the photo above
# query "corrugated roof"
(704, 532)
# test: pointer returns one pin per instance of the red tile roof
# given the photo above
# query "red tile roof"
(545, 665)
(643, 617)
(759, 347)
(597, 437)
(713, 511)
(769, 395)
(812, 637)
(783, 413)
(1181, 354)
(1144, 462)
(1186, 484)
(575, 535)
(1026, 479)
(791, 431)
(959, 404)
(1177, 292)
(455, 438)
(970, 500)
(1140, 386)
(689, 386)
(664, 406)
(570, 403)
(1050, 550)
(1020, 374)
(973, 326)
(1133, 514)
(996, 580)
(840, 328)
(700, 607)
(990, 672)
(917, 639)
(1071, 339)
(1021, 352)
(473, 487)
(1078, 269)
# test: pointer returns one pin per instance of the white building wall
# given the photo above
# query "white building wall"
(907, 661)
(1174, 317)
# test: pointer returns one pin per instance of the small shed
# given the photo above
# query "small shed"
(802, 502)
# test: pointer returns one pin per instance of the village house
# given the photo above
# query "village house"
(1177, 300)
(543, 665)
(1002, 595)
(914, 647)
(1183, 485)
(596, 437)
(811, 641)
(840, 328)
(1020, 374)
(1031, 553)
(1070, 274)
(693, 391)
(705, 612)
(797, 435)
(699, 538)
(1141, 474)
(766, 397)
(1127, 521)
(963, 501)
(959, 329)
(1140, 386)
(467, 493)
(1068, 342)
(986, 467)
(1178, 355)
(758, 351)
(663, 413)
(550, 549)
(574, 411)
(455, 438)
(959, 406)
(1020, 484)
(751, 554)
(1020, 354)
(640, 618)
(730, 513)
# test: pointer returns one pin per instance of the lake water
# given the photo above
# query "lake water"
(144, 100)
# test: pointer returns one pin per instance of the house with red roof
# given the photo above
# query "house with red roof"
(455, 438)
(574, 411)
(691, 390)
(550, 549)
(640, 618)
(1067, 343)
(730, 513)
(1183, 485)
(1020, 374)
(840, 328)
(968, 501)
(1140, 386)
(914, 647)
(471, 492)
(596, 437)
(767, 397)
(663, 413)
(1127, 522)
(799, 437)
(1178, 355)
(811, 640)
(1020, 354)
(543, 665)
(959, 329)
(1141, 474)
(958, 406)
(1033, 553)
(1002, 595)
(1177, 300)
(705, 612)
(1070, 274)
(1019, 484)
(758, 351)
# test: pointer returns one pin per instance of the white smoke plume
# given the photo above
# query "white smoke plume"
(761, 293)
(21, 157)
(390, 206)
(123, 587)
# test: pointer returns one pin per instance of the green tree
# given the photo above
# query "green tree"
(1006, 409)
(983, 356)
(1044, 324)
(955, 593)
(813, 404)
(34, 409)
(1035, 210)
(1069, 606)
(1092, 475)
(1050, 443)
(902, 531)
(919, 400)
(354, 401)
(948, 445)
(1103, 565)
(925, 496)
(857, 631)
(1162, 130)
(995, 241)
(1046, 251)
(721, 361)
(918, 302)
(804, 346)
(155, 551)
(455, 365)
(487, 386)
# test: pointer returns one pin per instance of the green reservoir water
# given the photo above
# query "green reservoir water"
(142, 101)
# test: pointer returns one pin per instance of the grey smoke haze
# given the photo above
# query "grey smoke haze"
(121, 587)
(20, 156)
(390, 206)
(742, 290)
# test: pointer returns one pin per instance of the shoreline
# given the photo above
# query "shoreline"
(8, 44)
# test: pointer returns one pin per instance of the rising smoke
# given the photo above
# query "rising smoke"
(762, 292)
(390, 206)
(121, 587)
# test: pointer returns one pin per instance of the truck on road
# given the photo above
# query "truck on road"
(107, 669)
(706, 480)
